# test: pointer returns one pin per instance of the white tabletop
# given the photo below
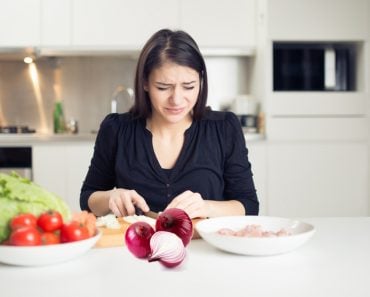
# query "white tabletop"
(335, 262)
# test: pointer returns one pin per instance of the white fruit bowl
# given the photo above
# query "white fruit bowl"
(46, 254)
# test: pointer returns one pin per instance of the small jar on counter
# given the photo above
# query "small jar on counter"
(72, 126)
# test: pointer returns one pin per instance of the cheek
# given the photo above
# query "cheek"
(156, 97)
(195, 95)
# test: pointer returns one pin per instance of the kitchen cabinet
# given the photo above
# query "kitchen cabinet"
(19, 23)
(56, 22)
(120, 23)
(313, 178)
(220, 23)
(126, 25)
(336, 20)
(257, 154)
(61, 168)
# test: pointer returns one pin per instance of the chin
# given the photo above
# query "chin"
(175, 118)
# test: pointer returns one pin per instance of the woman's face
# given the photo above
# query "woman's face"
(173, 90)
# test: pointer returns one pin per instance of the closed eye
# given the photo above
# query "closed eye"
(162, 88)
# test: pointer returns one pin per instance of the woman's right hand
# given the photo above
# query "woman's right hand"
(122, 202)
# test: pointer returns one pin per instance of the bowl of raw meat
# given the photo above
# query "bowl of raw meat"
(255, 235)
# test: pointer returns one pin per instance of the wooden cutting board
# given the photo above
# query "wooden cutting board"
(116, 237)
(113, 237)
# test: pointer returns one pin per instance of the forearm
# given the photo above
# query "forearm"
(99, 202)
(225, 208)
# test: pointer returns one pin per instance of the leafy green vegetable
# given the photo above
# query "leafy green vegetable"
(20, 195)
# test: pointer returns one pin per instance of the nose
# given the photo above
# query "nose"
(176, 96)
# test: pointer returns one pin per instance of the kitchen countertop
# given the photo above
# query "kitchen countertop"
(335, 262)
(36, 138)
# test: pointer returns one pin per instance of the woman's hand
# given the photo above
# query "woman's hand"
(122, 202)
(192, 203)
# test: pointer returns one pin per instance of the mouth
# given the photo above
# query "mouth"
(175, 110)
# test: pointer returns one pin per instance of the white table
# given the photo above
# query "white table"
(335, 262)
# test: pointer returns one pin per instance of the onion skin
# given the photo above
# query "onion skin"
(137, 239)
(177, 221)
(167, 248)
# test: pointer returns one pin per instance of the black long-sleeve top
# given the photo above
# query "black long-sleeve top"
(213, 162)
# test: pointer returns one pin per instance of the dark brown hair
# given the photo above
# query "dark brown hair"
(168, 46)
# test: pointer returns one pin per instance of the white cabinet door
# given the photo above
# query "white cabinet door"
(19, 23)
(49, 168)
(257, 157)
(61, 168)
(318, 19)
(317, 179)
(121, 23)
(79, 157)
(220, 23)
(56, 22)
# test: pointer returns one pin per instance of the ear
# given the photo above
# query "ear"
(146, 88)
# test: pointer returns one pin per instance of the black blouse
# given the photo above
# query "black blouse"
(213, 162)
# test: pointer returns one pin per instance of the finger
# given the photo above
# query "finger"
(176, 202)
(113, 207)
(120, 205)
(127, 202)
(139, 201)
(193, 210)
(115, 204)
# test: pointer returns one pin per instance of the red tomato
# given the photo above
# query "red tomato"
(73, 231)
(50, 221)
(49, 238)
(23, 220)
(25, 236)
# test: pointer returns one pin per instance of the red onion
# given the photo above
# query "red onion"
(137, 239)
(167, 248)
(177, 221)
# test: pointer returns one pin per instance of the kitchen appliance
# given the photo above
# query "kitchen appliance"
(126, 103)
(16, 159)
(246, 107)
(314, 66)
(16, 130)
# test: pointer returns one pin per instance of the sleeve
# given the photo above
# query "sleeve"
(101, 175)
(239, 184)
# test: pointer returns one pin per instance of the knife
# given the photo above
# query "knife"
(150, 214)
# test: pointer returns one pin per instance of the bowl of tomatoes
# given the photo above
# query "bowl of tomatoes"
(46, 239)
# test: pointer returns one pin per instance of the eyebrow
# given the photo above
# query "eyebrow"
(166, 84)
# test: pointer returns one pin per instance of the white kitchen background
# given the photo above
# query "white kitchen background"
(86, 86)
(314, 158)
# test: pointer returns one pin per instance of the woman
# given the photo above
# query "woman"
(170, 150)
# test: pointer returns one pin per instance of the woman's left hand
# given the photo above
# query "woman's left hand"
(192, 203)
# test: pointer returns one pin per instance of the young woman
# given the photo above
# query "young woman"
(170, 150)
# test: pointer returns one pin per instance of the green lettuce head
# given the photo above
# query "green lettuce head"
(20, 195)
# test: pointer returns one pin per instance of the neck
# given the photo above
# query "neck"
(158, 127)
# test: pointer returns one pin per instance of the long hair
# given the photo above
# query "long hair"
(168, 46)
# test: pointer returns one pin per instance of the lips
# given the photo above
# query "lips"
(175, 110)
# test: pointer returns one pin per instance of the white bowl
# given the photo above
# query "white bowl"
(45, 254)
(300, 232)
